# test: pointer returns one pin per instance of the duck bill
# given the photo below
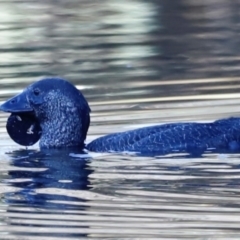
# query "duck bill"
(18, 103)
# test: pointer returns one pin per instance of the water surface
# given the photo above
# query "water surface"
(138, 63)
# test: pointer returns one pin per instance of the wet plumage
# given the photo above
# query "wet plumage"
(63, 116)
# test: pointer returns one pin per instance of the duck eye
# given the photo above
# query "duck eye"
(36, 91)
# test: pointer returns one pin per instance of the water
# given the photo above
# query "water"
(138, 63)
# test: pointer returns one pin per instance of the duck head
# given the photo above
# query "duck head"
(53, 109)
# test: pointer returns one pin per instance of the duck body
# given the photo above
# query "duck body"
(190, 137)
(62, 117)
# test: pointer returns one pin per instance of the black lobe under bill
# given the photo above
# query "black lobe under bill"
(23, 128)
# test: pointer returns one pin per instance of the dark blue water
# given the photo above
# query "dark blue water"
(138, 63)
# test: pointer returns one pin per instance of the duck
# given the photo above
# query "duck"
(55, 112)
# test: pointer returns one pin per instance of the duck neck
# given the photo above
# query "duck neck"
(62, 132)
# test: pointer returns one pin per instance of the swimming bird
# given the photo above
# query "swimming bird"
(56, 112)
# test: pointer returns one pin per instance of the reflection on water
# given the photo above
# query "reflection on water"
(34, 177)
(138, 63)
(53, 195)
